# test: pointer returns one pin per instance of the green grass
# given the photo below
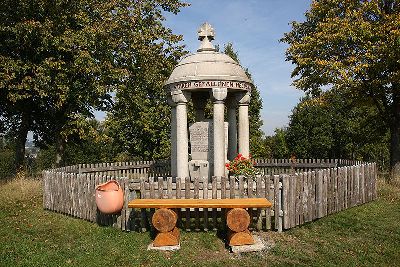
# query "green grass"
(368, 235)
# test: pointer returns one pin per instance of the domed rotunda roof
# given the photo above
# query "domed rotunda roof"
(208, 68)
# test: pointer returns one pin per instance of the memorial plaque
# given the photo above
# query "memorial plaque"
(202, 140)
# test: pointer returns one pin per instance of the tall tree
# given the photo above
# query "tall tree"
(330, 126)
(140, 120)
(55, 63)
(352, 46)
(61, 59)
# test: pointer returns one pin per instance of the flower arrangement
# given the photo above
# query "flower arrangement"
(242, 166)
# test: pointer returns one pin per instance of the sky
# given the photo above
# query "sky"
(254, 27)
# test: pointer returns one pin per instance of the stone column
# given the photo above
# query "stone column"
(179, 151)
(232, 130)
(219, 96)
(244, 131)
(173, 136)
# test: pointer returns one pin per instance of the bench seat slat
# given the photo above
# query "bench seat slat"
(201, 203)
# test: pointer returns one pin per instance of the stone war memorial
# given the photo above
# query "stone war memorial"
(193, 189)
(208, 74)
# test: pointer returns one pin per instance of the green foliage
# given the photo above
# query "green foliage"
(139, 123)
(56, 59)
(60, 61)
(352, 46)
(367, 235)
(7, 167)
(277, 145)
(330, 126)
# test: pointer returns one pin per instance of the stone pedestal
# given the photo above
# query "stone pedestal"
(199, 168)
(202, 148)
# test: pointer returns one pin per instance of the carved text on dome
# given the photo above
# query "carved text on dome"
(210, 84)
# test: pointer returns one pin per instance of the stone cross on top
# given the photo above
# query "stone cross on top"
(206, 35)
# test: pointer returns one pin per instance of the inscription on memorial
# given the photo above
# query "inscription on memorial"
(210, 84)
(199, 138)
(202, 140)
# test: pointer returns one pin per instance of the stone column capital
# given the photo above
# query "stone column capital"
(243, 98)
(178, 97)
(219, 94)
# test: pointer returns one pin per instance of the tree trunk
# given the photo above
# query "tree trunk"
(21, 137)
(395, 141)
(395, 151)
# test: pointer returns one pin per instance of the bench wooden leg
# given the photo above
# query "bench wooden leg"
(238, 221)
(164, 220)
(170, 238)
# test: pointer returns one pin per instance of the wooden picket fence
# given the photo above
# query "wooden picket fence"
(297, 198)
(161, 168)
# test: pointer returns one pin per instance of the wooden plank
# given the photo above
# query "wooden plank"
(160, 187)
(267, 182)
(152, 187)
(258, 195)
(277, 204)
(143, 211)
(120, 218)
(335, 190)
(340, 190)
(187, 197)
(292, 205)
(205, 196)
(366, 182)
(312, 206)
(319, 190)
(357, 196)
(329, 191)
(127, 222)
(241, 187)
(227, 203)
(178, 195)
(285, 201)
(232, 187)
(353, 186)
(196, 196)
(169, 188)
(214, 196)
(306, 197)
(250, 194)
(301, 198)
(345, 187)
(223, 187)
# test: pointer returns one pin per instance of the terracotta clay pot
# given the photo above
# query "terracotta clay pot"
(109, 197)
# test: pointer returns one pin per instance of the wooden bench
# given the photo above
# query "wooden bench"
(165, 217)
